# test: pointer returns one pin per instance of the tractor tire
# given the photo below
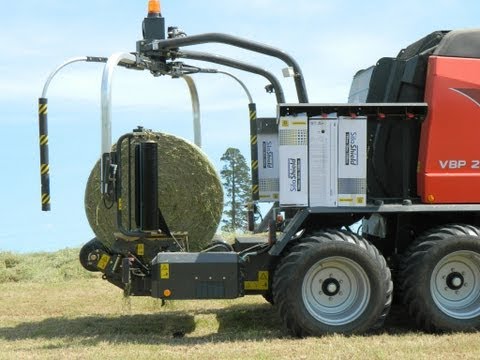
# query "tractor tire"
(441, 285)
(86, 249)
(335, 282)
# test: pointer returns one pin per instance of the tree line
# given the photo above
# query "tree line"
(237, 186)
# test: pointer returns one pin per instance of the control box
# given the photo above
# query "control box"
(293, 154)
(208, 275)
(268, 161)
(323, 161)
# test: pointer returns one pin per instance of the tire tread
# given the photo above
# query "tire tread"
(411, 263)
(293, 256)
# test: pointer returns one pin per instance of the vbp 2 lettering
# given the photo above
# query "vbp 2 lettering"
(459, 164)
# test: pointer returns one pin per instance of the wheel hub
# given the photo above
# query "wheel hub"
(455, 281)
(455, 284)
(336, 290)
(331, 287)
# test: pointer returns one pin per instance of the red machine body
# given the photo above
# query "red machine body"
(449, 157)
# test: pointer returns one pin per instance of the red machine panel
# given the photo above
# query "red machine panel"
(449, 158)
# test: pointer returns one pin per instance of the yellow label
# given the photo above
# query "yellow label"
(260, 284)
(285, 123)
(263, 275)
(164, 271)
(103, 262)
(250, 285)
(120, 204)
(360, 200)
(140, 249)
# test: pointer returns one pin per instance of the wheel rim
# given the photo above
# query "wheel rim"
(336, 290)
(455, 284)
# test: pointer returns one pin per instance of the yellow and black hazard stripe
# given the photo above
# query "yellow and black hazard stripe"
(44, 169)
(253, 113)
(45, 199)
(42, 108)
(44, 162)
(252, 109)
(43, 139)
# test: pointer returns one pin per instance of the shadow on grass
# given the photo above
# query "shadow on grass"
(94, 329)
(236, 322)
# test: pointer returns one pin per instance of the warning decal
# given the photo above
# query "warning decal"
(164, 271)
(260, 284)
(103, 262)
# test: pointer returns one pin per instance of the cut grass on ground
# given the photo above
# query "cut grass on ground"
(42, 267)
(90, 318)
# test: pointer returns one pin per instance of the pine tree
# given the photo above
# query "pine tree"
(236, 182)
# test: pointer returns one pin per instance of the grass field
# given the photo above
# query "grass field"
(63, 312)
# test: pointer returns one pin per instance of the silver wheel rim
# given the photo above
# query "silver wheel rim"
(336, 290)
(455, 285)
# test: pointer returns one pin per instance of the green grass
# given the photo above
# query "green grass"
(51, 308)
(42, 267)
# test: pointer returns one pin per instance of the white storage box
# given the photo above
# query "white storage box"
(322, 142)
(268, 160)
(352, 161)
(293, 154)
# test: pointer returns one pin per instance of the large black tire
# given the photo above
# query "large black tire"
(335, 282)
(441, 279)
(86, 249)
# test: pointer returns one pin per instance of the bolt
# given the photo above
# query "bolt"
(446, 288)
(330, 298)
(320, 281)
(444, 277)
(340, 281)
(452, 269)
(331, 275)
(320, 293)
(332, 288)
(466, 284)
(340, 293)
(456, 281)
(456, 292)
(463, 273)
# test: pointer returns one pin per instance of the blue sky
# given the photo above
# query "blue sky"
(331, 39)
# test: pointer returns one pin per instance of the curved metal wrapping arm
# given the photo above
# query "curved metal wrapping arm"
(247, 92)
(55, 72)
(174, 43)
(197, 127)
(43, 129)
(221, 60)
(106, 110)
(106, 96)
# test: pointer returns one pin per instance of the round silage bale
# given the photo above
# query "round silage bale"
(189, 191)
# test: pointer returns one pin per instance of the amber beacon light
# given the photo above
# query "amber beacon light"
(154, 7)
(153, 25)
